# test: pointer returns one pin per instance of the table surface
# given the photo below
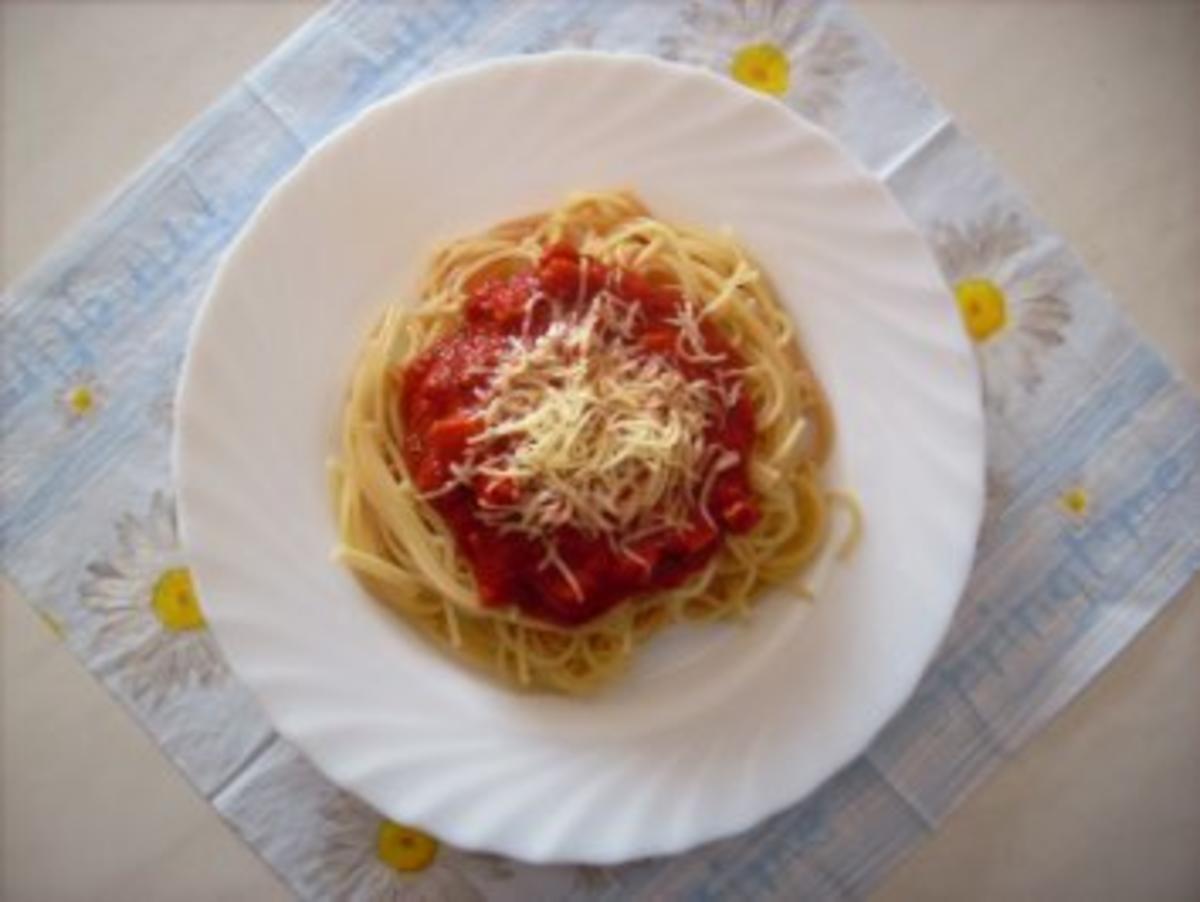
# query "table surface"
(1091, 108)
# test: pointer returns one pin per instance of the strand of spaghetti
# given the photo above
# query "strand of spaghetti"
(851, 505)
(375, 567)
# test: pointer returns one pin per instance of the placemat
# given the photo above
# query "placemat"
(1094, 448)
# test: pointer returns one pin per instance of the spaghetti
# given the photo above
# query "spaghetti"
(592, 425)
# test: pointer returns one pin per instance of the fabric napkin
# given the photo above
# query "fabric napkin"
(1094, 448)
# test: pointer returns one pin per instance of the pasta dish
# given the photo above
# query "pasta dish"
(591, 425)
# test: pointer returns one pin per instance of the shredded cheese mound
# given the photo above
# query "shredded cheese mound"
(592, 431)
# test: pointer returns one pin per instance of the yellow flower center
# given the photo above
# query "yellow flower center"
(983, 307)
(1075, 501)
(174, 601)
(763, 67)
(81, 399)
(404, 848)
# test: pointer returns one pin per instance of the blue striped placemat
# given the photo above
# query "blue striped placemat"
(1094, 448)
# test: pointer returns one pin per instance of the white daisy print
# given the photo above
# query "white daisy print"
(365, 856)
(772, 46)
(151, 623)
(1014, 315)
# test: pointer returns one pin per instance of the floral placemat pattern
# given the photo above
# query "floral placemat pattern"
(1094, 450)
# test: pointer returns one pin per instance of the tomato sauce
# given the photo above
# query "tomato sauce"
(440, 402)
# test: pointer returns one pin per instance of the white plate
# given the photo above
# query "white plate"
(714, 729)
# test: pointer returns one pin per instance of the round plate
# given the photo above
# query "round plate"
(713, 729)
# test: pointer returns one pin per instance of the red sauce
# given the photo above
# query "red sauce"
(440, 403)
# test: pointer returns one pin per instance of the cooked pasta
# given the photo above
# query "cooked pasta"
(568, 387)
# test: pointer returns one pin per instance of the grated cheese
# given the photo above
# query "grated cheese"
(595, 433)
